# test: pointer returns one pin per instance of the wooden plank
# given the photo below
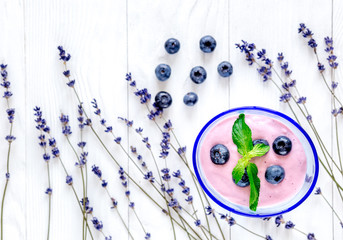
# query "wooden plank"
(94, 34)
(12, 53)
(337, 34)
(273, 26)
(151, 23)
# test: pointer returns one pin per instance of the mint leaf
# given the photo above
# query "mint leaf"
(254, 185)
(241, 135)
(239, 169)
(259, 150)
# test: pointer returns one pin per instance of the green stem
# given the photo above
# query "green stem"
(83, 187)
(299, 231)
(194, 180)
(47, 165)
(106, 149)
(7, 179)
(2, 207)
(248, 230)
(122, 220)
(339, 219)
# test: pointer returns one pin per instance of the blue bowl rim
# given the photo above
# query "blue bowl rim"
(268, 111)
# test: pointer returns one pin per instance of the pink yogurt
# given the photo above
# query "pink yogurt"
(262, 127)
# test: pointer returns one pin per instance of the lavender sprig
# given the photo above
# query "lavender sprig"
(117, 163)
(319, 192)
(152, 115)
(41, 125)
(81, 161)
(9, 138)
(43, 128)
(279, 220)
(128, 195)
(96, 170)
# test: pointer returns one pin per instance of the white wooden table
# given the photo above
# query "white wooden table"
(107, 39)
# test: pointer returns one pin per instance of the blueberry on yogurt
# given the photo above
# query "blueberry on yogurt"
(282, 145)
(219, 154)
(275, 174)
(244, 182)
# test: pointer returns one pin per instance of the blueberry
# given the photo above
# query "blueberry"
(219, 154)
(260, 141)
(275, 174)
(190, 99)
(244, 180)
(163, 99)
(282, 145)
(207, 44)
(162, 72)
(172, 45)
(225, 69)
(198, 74)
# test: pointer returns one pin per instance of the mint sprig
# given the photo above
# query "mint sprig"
(241, 136)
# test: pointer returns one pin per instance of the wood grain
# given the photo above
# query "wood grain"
(109, 38)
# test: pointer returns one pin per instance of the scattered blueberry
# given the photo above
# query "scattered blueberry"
(275, 174)
(190, 99)
(172, 45)
(162, 72)
(198, 74)
(219, 154)
(282, 145)
(225, 69)
(244, 181)
(207, 44)
(163, 99)
(260, 141)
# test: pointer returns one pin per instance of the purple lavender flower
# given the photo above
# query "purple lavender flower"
(181, 150)
(301, 100)
(309, 118)
(209, 210)
(268, 237)
(307, 33)
(10, 114)
(147, 236)
(165, 145)
(318, 191)
(289, 225)
(97, 224)
(278, 220)
(149, 176)
(114, 203)
(285, 97)
(334, 85)
(168, 125)
(166, 176)
(311, 236)
(248, 49)
(231, 221)
(104, 183)
(46, 157)
(96, 171)
(69, 180)
(5, 83)
(177, 174)
(189, 199)
(197, 223)
(128, 122)
(63, 56)
(329, 48)
(48, 191)
(321, 67)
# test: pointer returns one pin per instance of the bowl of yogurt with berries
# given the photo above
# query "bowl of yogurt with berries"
(287, 170)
